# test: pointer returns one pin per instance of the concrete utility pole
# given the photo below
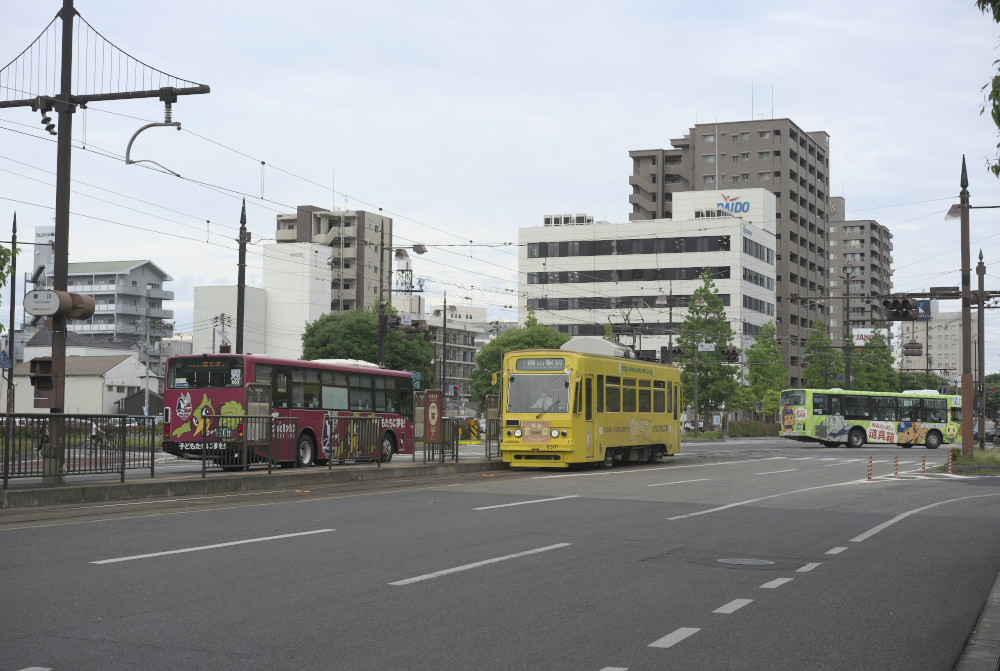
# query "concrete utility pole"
(241, 277)
(967, 387)
(981, 301)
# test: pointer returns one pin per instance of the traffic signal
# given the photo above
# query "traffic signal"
(40, 372)
(913, 349)
(454, 390)
(732, 354)
(900, 309)
(677, 351)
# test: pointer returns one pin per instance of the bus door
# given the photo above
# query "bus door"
(588, 416)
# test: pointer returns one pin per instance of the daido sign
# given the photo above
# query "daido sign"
(734, 204)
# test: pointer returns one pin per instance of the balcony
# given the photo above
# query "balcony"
(157, 313)
(285, 235)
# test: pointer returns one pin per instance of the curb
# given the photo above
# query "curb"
(982, 650)
(251, 481)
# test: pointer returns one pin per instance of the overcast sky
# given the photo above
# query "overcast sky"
(467, 120)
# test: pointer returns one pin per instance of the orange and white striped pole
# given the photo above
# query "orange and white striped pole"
(870, 467)
(923, 466)
(950, 457)
(895, 467)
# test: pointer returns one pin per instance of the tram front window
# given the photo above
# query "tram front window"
(538, 392)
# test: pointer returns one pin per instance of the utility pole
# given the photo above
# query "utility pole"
(64, 102)
(381, 283)
(967, 396)
(981, 301)
(444, 344)
(10, 350)
(241, 277)
(848, 340)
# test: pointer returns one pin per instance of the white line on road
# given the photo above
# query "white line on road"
(521, 503)
(874, 530)
(835, 551)
(787, 470)
(210, 547)
(674, 637)
(37, 668)
(650, 470)
(808, 567)
(732, 606)
(762, 498)
(485, 562)
(776, 583)
(678, 482)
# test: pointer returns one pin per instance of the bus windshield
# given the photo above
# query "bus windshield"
(210, 372)
(538, 392)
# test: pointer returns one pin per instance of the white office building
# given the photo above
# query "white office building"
(640, 276)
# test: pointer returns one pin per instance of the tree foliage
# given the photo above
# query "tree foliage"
(532, 335)
(824, 362)
(991, 90)
(872, 367)
(766, 374)
(911, 379)
(705, 322)
(354, 335)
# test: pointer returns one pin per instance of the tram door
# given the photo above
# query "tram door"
(588, 415)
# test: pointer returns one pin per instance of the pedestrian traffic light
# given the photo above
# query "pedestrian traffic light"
(899, 309)
(40, 372)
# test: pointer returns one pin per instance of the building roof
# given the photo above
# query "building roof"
(82, 365)
(44, 339)
(94, 267)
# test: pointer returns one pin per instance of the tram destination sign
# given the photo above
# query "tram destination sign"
(555, 363)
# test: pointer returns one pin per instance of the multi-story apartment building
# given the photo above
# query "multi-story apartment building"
(361, 251)
(639, 276)
(130, 298)
(773, 154)
(860, 269)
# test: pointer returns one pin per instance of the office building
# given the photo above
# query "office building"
(772, 154)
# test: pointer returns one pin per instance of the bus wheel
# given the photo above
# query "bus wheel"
(906, 446)
(305, 452)
(609, 458)
(856, 438)
(388, 447)
(933, 440)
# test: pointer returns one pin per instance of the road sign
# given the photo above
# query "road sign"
(841, 378)
(5, 361)
(432, 425)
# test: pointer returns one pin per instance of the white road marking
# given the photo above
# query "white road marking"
(808, 567)
(37, 668)
(835, 551)
(776, 583)
(763, 498)
(210, 547)
(787, 470)
(522, 503)
(732, 606)
(674, 637)
(650, 470)
(485, 562)
(678, 482)
(615, 668)
(874, 530)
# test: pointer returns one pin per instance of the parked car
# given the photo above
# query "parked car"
(991, 430)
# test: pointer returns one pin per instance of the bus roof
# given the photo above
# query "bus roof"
(350, 365)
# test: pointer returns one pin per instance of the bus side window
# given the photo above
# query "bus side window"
(588, 398)
(819, 404)
(835, 405)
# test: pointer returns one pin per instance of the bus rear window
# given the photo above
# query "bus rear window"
(205, 373)
(793, 397)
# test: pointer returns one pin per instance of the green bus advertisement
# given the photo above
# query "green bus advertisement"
(837, 417)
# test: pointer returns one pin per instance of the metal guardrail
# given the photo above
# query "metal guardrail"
(236, 442)
(37, 445)
(353, 438)
(491, 438)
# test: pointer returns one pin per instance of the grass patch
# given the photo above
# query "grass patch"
(987, 457)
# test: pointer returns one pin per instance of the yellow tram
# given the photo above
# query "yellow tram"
(565, 406)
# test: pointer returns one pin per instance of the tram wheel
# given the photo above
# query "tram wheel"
(609, 458)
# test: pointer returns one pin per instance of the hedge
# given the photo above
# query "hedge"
(752, 429)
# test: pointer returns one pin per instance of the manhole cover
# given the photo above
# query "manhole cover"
(743, 561)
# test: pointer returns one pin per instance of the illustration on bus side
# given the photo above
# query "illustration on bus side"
(198, 426)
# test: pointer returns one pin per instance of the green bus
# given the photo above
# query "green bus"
(838, 416)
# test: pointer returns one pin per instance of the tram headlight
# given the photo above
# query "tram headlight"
(517, 433)
(554, 433)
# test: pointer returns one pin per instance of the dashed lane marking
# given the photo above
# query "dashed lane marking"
(776, 583)
(808, 567)
(485, 562)
(836, 550)
(674, 637)
(522, 503)
(732, 606)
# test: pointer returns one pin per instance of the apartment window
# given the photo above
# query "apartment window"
(708, 138)
(764, 176)
(764, 134)
(745, 176)
(745, 135)
(709, 158)
(745, 156)
(764, 155)
(709, 179)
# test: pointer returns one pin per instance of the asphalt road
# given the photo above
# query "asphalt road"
(737, 555)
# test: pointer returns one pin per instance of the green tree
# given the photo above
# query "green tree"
(873, 368)
(991, 100)
(354, 335)
(532, 335)
(766, 369)
(705, 322)
(992, 385)
(823, 361)
(911, 379)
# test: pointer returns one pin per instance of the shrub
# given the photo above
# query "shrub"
(745, 429)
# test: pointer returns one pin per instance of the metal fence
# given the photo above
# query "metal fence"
(39, 445)
(353, 439)
(236, 442)
(491, 438)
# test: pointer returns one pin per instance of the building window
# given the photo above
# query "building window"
(708, 138)
(764, 155)
(764, 134)
(745, 135)
(764, 176)
(709, 158)
(709, 179)
(745, 156)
